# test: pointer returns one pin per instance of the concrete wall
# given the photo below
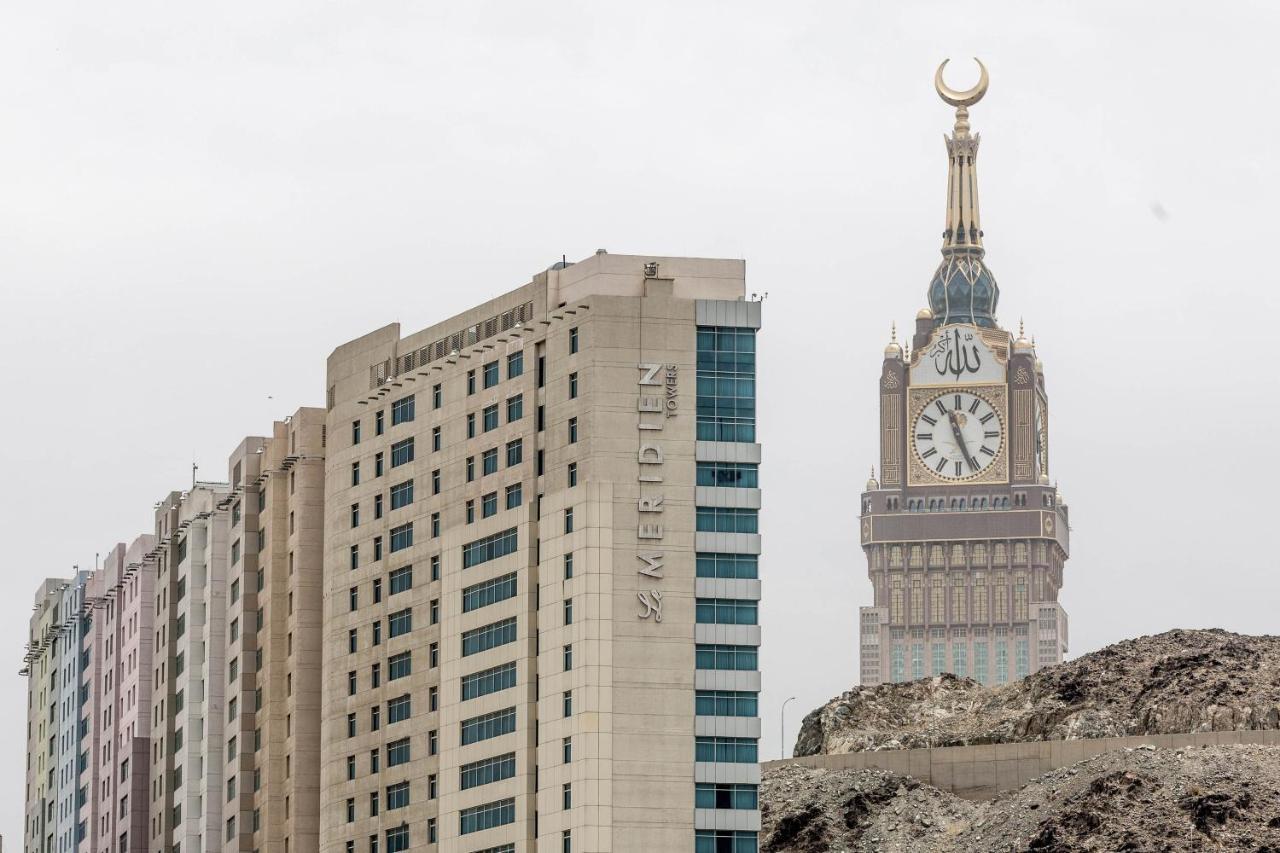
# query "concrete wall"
(982, 771)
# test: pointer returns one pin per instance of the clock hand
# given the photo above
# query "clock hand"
(959, 436)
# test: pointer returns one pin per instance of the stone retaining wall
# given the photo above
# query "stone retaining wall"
(982, 771)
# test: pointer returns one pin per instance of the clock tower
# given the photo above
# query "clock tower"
(964, 534)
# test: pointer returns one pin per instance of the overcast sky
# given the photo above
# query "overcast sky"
(198, 203)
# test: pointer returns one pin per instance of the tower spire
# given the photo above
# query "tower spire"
(963, 289)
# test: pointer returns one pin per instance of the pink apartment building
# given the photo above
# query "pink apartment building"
(116, 692)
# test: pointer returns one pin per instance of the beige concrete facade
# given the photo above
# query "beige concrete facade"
(496, 675)
(981, 771)
(188, 671)
(271, 749)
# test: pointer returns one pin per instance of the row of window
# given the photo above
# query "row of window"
(734, 566)
(723, 519)
(726, 400)
(727, 611)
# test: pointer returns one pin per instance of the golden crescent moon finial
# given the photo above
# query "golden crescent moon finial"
(967, 98)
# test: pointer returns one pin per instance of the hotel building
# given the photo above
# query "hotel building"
(271, 748)
(188, 671)
(541, 579)
(53, 666)
(116, 740)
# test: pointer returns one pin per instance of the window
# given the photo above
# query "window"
(488, 681)
(567, 656)
(377, 548)
(573, 385)
(722, 519)
(488, 636)
(377, 590)
(572, 474)
(355, 432)
(740, 658)
(568, 611)
(379, 422)
(487, 770)
(435, 567)
(540, 420)
(489, 461)
(398, 752)
(437, 396)
(398, 709)
(401, 537)
(568, 565)
(433, 742)
(573, 340)
(355, 474)
(726, 611)
(487, 816)
(515, 365)
(515, 452)
(566, 750)
(515, 408)
(491, 374)
(471, 382)
(433, 655)
(471, 424)
(402, 452)
(568, 520)
(373, 804)
(235, 552)
(402, 493)
(375, 718)
(573, 430)
(489, 505)
(351, 683)
(714, 795)
(435, 611)
(566, 702)
(355, 516)
(352, 641)
(488, 592)
(471, 468)
(377, 633)
(351, 767)
(744, 475)
(351, 725)
(489, 548)
(377, 464)
(402, 410)
(399, 666)
(732, 750)
(435, 439)
(726, 703)
(514, 496)
(432, 786)
(435, 525)
(734, 566)
(397, 796)
(398, 839)
(487, 726)
(470, 511)
(725, 841)
(400, 622)
(401, 579)
(726, 384)
(489, 417)
(375, 675)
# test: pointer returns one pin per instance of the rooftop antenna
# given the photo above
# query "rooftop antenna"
(194, 469)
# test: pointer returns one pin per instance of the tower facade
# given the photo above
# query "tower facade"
(541, 575)
(964, 534)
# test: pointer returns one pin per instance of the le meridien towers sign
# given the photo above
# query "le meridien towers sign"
(657, 401)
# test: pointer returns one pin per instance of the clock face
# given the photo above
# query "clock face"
(958, 434)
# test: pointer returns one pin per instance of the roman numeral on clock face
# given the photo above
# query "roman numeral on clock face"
(973, 410)
(941, 408)
(930, 421)
(988, 416)
(929, 452)
(987, 450)
(991, 433)
(924, 436)
(942, 463)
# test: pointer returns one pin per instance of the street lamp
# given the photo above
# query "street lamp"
(782, 729)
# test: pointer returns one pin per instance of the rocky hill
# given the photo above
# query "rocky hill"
(1145, 799)
(1179, 681)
